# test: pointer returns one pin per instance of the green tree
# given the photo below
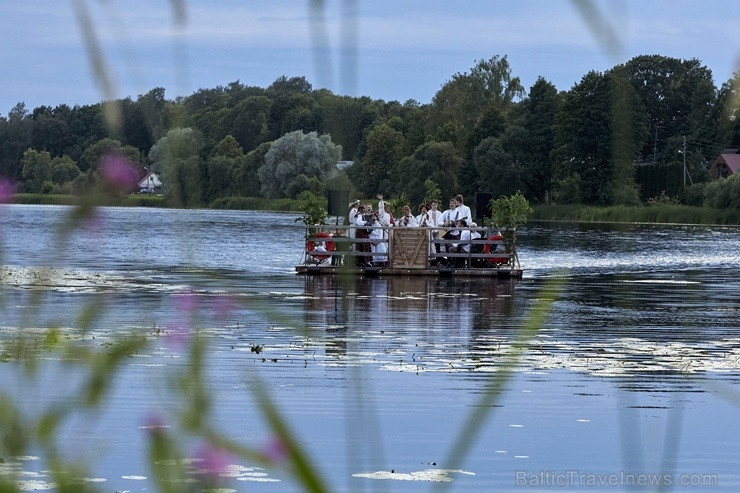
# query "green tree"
(36, 169)
(436, 161)
(385, 148)
(538, 112)
(63, 170)
(250, 123)
(597, 139)
(466, 97)
(228, 147)
(222, 164)
(220, 177)
(246, 175)
(87, 126)
(50, 131)
(292, 107)
(342, 118)
(90, 159)
(297, 153)
(16, 139)
(675, 97)
(498, 167)
(727, 114)
(176, 156)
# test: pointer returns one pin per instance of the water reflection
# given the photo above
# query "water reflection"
(406, 302)
(643, 326)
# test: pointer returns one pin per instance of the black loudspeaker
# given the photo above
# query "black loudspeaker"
(338, 202)
(482, 206)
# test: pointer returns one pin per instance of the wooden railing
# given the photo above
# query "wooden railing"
(410, 248)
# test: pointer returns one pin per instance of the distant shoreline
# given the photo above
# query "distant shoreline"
(653, 214)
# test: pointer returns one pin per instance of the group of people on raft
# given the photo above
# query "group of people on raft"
(371, 224)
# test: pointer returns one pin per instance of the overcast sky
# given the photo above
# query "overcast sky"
(390, 50)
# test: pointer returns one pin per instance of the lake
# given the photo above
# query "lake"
(629, 379)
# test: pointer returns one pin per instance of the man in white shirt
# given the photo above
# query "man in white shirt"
(448, 216)
(435, 219)
(462, 211)
(423, 219)
(463, 244)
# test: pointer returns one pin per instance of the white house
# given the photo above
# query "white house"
(150, 181)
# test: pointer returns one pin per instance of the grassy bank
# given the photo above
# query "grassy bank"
(678, 214)
(136, 200)
(125, 201)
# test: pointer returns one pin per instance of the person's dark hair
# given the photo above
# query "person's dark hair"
(459, 198)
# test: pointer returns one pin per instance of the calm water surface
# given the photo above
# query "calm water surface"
(635, 369)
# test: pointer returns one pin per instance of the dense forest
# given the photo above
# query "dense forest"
(643, 131)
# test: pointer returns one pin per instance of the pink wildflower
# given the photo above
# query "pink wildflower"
(154, 423)
(6, 191)
(118, 172)
(214, 460)
(177, 337)
(275, 449)
(186, 302)
(224, 305)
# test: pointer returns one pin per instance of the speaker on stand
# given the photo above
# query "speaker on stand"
(482, 206)
(338, 203)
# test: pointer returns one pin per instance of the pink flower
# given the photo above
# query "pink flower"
(154, 424)
(275, 449)
(214, 460)
(118, 172)
(177, 337)
(6, 191)
(224, 305)
(186, 302)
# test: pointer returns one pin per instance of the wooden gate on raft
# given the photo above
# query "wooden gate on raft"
(409, 248)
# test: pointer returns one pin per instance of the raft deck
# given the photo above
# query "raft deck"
(409, 252)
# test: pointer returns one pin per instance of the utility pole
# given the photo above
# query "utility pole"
(684, 162)
(655, 145)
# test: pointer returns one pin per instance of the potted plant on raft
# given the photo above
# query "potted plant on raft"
(318, 239)
(508, 213)
(314, 213)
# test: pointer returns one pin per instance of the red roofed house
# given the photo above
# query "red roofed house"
(726, 164)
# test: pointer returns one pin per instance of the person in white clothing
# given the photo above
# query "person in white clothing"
(407, 220)
(462, 211)
(378, 242)
(448, 216)
(435, 219)
(474, 233)
(351, 218)
(384, 218)
(463, 244)
(362, 233)
(423, 219)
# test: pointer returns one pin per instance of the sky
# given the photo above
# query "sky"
(79, 52)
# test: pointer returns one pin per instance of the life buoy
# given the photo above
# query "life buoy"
(489, 249)
(318, 239)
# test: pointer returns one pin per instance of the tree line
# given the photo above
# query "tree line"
(612, 139)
